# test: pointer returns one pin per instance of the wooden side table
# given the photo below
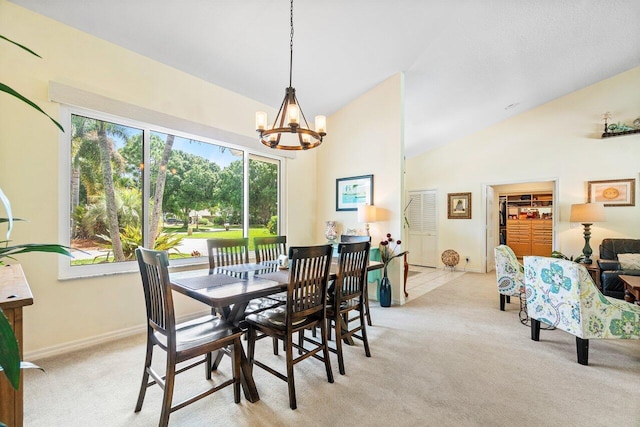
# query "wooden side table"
(14, 294)
(631, 288)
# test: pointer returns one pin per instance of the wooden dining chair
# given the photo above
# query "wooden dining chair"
(183, 341)
(225, 252)
(356, 239)
(305, 309)
(269, 248)
(348, 296)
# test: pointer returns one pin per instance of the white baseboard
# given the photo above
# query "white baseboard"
(81, 344)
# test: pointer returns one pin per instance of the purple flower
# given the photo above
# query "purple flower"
(388, 249)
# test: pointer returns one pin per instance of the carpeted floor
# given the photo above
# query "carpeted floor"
(447, 358)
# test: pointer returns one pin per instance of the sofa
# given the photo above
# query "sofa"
(611, 266)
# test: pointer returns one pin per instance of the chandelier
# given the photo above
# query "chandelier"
(288, 119)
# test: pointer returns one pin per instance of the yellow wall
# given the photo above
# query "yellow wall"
(70, 312)
(366, 138)
(559, 140)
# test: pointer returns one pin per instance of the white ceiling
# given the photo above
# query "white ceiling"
(465, 61)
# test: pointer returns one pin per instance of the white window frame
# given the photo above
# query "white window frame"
(65, 270)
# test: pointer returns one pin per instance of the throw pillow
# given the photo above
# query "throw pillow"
(629, 261)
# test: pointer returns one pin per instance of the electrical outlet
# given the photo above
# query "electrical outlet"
(466, 259)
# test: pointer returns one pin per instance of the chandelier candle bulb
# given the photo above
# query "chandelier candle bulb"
(294, 114)
(261, 120)
(321, 124)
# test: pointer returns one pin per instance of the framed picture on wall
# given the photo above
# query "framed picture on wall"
(613, 192)
(459, 205)
(354, 191)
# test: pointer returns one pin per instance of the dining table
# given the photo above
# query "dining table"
(229, 289)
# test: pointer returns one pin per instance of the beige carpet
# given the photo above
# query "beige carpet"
(448, 358)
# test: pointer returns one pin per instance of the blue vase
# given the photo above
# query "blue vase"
(384, 292)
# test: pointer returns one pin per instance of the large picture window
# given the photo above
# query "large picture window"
(134, 185)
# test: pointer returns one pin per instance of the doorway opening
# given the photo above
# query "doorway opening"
(522, 215)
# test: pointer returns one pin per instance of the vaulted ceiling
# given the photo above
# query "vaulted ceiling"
(468, 64)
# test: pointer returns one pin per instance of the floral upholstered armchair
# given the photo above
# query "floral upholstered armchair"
(510, 277)
(562, 294)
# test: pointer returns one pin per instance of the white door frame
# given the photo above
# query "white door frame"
(486, 216)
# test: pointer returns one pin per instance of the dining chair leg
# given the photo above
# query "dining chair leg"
(145, 376)
(325, 351)
(168, 392)
(275, 346)
(300, 340)
(338, 328)
(365, 340)
(290, 379)
(365, 294)
(208, 365)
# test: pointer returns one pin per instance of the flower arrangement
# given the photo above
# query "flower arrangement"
(388, 250)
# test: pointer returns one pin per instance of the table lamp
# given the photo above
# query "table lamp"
(367, 214)
(587, 214)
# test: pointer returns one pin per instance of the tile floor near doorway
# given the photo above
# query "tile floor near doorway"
(424, 279)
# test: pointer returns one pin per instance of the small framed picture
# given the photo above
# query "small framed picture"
(613, 192)
(354, 191)
(459, 205)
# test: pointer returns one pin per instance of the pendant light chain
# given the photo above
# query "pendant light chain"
(291, 47)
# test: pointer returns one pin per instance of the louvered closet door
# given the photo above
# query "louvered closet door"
(423, 228)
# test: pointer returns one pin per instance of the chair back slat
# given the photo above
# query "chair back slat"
(224, 252)
(157, 290)
(309, 272)
(269, 248)
(352, 270)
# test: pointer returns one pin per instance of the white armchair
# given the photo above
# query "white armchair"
(562, 294)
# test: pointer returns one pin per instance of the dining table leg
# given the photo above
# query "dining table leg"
(248, 384)
(345, 327)
(235, 314)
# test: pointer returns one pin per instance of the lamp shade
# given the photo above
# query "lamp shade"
(587, 213)
(366, 213)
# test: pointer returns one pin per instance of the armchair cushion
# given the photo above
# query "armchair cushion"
(608, 264)
(629, 261)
